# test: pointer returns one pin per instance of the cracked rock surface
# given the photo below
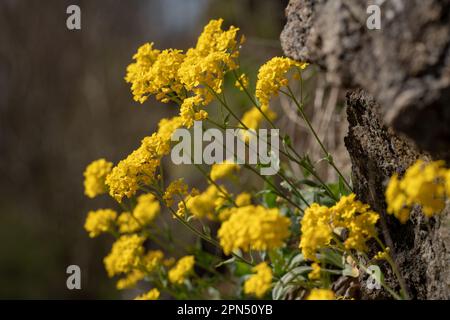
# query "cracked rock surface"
(398, 109)
(405, 66)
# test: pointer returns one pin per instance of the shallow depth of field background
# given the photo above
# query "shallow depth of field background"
(64, 103)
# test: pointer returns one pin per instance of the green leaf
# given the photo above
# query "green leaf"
(332, 257)
(270, 199)
(221, 263)
(277, 259)
(296, 260)
(285, 285)
(242, 269)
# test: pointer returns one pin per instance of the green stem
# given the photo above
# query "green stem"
(254, 102)
(394, 267)
(328, 156)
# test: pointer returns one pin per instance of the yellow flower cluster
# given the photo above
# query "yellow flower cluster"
(259, 283)
(316, 230)
(222, 170)
(95, 176)
(253, 118)
(137, 72)
(140, 166)
(204, 67)
(315, 273)
(204, 204)
(125, 178)
(424, 184)
(254, 227)
(319, 223)
(175, 188)
(151, 295)
(128, 223)
(272, 76)
(131, 279)
(358, 219)
(243, 199)
(382, 255)
(321, 294)
(146, 210)
(242, 82)
(152, 260)
(147, 264)
(190, 111)
(171, 75)
(126, 253)
(100, 221)
(181, 270)
(155, 73)
(191, 79)
(162, 139)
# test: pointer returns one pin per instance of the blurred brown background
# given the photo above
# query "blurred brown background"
(63, 103)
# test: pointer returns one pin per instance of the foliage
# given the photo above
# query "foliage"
(293, 237)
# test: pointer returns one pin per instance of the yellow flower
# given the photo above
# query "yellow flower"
(130, 280)
(169, 262)
(126, 253)
(95, 176)
(137, 169)
(243, 199)
(190, 111)
(397, 202)
(127, 223)
(382, 255)
(315, 229)
(140, 167)
(151, 295)
(152, 260)
(137, 72)
(319, 222)
(155, 73)
(147, 209)
(242, 82)
(222, 170)
(181, 270)
(423, 184)
(254, 227)
(175, 188)
(204, 67)
(170, 74)
(100, 221)
(253, 118)
(205, 204)
(272, 76)
(357, 218)
(259, 283)
(321, 294)
(149, 262)
(166, 129)
(315, 273)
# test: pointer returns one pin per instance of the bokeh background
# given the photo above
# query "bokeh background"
(63, 103)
